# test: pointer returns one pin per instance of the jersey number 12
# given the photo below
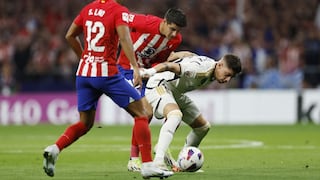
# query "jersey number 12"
(94, 27)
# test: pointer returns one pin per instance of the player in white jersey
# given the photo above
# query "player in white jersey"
(165, 92)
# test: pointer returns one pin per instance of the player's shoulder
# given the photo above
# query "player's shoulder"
(198, 59)
(152, 21)
(147, 18)
(107, 5)
(204, 58)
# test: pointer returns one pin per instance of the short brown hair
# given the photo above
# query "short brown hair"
(176, 16)
(233, 62)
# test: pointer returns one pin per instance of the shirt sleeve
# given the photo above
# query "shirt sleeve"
(122, 16)
(137, 21)
(196, 67)
(78, 20)
(144, 23)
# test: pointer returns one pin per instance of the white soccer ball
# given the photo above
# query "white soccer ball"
(190, 159)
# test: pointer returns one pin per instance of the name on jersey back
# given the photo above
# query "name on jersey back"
(96, 12)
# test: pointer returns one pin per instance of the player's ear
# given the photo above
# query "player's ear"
(165, 21)
(220, 64)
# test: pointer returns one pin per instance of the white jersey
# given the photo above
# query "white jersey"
(196, 72)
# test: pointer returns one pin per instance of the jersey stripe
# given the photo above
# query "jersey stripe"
(140, 41)
(93, 69)
(161, 47)
(89, 65)
(99, 66)
(80, 68)
(85, 69)
(104, 68)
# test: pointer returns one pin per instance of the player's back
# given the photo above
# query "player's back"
(99, 20)
(197, 74)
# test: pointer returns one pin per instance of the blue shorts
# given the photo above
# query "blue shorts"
(128, 74)
(89, 90)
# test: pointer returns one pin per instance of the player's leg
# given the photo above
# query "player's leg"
(123, 93)
(87, 102)
(143, 138)
(164, 106)
(173, 119)
(141, 131)
(200, 128)
(193, 117)
(134, 163)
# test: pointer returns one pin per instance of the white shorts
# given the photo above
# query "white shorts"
(160, 96)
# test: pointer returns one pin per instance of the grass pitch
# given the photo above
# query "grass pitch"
(231, 153)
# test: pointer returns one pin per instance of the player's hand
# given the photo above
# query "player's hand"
(137, 82)
(147, 73)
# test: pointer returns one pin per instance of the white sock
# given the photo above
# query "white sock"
(166, 134)
(196, 135)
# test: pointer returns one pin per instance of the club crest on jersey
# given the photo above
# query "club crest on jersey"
(146, 53)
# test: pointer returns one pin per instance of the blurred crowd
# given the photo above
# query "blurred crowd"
(278, 40)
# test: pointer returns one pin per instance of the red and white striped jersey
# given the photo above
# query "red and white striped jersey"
(99, 20)
(149, 45)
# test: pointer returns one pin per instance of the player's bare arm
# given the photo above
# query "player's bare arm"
(126, 45)
(166, 66)
(72, 37)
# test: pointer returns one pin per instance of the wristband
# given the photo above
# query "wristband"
(151, 71)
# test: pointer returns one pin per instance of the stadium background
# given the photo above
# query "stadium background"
(278, 42)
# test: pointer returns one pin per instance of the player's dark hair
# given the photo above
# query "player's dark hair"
(176, 16)
(233, 62)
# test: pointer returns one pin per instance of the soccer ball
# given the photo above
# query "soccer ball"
(190, 159)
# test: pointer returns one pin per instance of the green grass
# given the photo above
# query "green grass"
(231, 153)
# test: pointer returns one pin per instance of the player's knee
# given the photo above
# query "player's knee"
(203, 129)
(175, 113)
(173, 121)
(207, 126)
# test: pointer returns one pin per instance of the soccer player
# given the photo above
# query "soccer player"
(165, 91)
(104, 23)
(154, 40)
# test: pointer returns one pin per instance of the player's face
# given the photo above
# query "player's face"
(223, 74)
(170, 30)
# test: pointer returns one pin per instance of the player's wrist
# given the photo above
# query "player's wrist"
(146, 73)
(151, 71)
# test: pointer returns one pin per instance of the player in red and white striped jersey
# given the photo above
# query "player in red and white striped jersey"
(154, 41)
(154, 38)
